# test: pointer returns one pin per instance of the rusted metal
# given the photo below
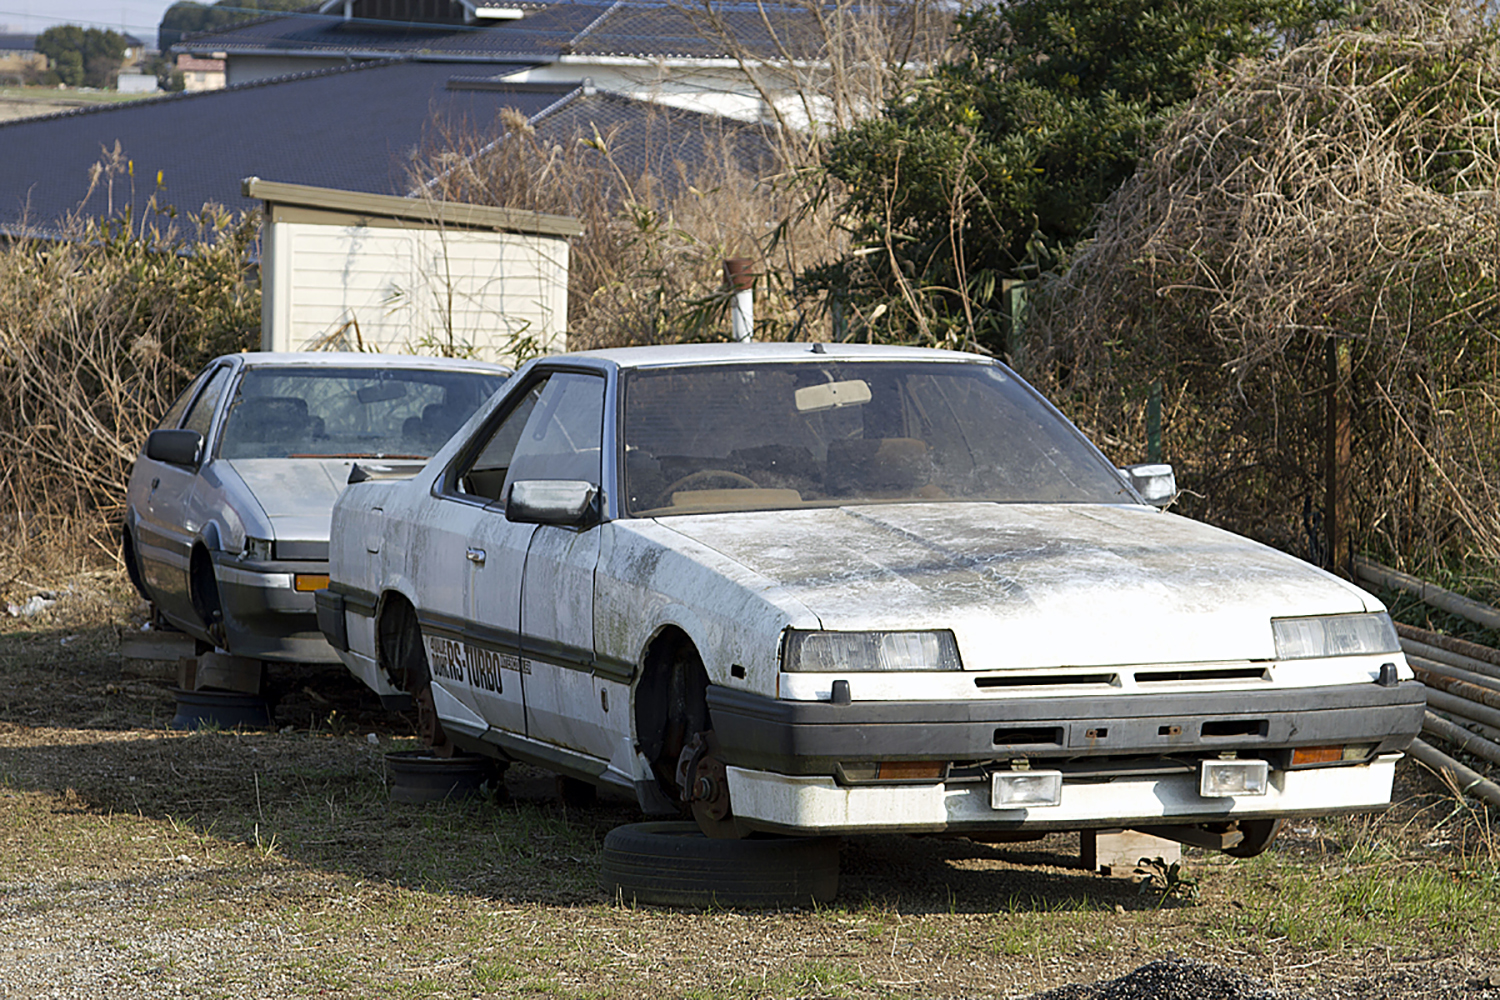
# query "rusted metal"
(1454, 674)
(741, 281)
(1462, 647)
(1457, 687)
(1453, 661)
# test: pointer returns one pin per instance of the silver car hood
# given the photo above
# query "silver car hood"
(297, 495)
(1033, 585)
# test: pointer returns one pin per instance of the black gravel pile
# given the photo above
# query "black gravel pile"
(1172, 979)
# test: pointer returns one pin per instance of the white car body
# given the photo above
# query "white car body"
(1110, 651)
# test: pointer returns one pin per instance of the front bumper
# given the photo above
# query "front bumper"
(813, 737)
(265, 616)
(1126, 759)
(782, 803)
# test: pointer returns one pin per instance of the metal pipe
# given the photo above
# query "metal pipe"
(741, 281)
(1427, 593)
(1427, 667)
(1454, 705)
(1469, 781)
(1489, 654)
(1488, 732)
(1412, 647)
(1461, 738)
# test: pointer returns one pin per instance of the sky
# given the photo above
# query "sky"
(133, 17)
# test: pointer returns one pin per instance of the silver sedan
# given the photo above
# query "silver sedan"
(227, 511)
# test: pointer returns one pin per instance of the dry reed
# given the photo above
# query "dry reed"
(1349, 189)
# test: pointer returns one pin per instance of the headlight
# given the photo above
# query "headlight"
(840, 652)
(258, 549)
(1335, 635)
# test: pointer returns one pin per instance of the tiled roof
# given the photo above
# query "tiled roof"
(643, 28)
(17, 43)
(354, 128)
(347, 128)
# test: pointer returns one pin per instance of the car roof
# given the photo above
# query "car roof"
(701, 354)
(354, 359)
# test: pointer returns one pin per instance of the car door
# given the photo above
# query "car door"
(563, 442)
(468, 561)
(165, 526)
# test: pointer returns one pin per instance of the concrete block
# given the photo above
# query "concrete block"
(1117, 852)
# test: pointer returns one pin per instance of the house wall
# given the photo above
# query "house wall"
(402, 287)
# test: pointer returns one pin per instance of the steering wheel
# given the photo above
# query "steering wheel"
(697, 479)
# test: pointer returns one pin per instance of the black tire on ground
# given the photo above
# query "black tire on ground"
(673, 864)
(1258, 836)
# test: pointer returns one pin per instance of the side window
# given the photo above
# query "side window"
(485, 475)
(553, 433)
(173, 416)
(201, 416)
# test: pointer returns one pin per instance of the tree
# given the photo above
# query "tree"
(82, 57)
(187, 17)
(994, 165)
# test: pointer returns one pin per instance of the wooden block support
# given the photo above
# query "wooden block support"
(1117, 852)
(155, 655)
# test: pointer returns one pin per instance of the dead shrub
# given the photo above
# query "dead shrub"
(1346, 190)
(100, 326)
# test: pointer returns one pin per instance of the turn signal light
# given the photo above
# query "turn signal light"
(1317, 755)
(309, 582)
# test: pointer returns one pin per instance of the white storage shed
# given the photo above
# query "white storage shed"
(345, 270)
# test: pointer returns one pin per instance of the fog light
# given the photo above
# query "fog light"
(1010, 789)
(1222, 778)
(309, 582)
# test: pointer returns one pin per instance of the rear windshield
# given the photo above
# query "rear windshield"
(774, 436)
(308, 412)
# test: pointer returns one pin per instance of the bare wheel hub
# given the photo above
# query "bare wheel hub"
(705, 787)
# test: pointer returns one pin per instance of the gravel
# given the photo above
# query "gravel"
(1172, 979)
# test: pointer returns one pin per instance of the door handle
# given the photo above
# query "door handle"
(475, 555)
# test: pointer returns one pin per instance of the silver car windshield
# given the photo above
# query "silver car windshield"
(779, 436)
(317, 412)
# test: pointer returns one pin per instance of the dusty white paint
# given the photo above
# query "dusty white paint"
(418, 290)
(1048, 588)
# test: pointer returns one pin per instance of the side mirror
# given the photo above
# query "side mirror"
(551, 501)
(175, 447)
(1156, 484)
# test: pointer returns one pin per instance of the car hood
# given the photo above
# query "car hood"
(1033, 585)
(296, 494)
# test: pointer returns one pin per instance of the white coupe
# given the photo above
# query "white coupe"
(829, 589)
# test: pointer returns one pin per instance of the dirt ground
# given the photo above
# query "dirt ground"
(140, 860)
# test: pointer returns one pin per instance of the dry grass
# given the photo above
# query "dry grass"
(1347, 190)
(140, 861)
(99, 330)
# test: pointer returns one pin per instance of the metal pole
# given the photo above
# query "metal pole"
(741, 280)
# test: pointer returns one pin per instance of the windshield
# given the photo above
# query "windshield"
(317, 412)
(776, 436)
